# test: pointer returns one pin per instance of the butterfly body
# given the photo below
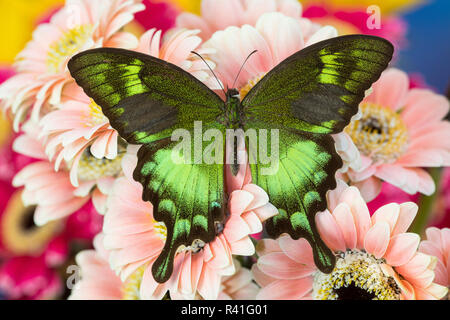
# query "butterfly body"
(233, 116)
(305, 99)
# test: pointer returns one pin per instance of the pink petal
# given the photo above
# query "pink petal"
(388, 213)
(260, 196)
(266, 212)
(243, 247)
(46, 214)
(280, 266)
(416, 266)
(236, 229)
(408, 211)
(433, 292)
(260, 277)
(239, 201)
(209, 284)
(330, 232)
(333, 196)
(343, 216)
(377, 239)
(298, 250)
(360, 212)
(192, 21)
(266, 246)
(391, 89)
(149, 286)
(402, 248)
(324, 33)
(219, 13)
(253, 222)
(286, 289)
(430, 248)
(221, 255)
(369, 188)
(423, 107)
(283, 34)
(425, 158)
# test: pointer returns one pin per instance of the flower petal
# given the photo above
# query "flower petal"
(377, 239)
(402, 248)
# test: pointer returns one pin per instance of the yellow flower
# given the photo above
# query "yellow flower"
(388, 7)
(5, 129)
(187, 5)
(17, 20)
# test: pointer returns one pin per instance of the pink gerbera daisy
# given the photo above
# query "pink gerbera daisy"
(96, 281)
(400, 131)
(376, 257)
(80, 137)
(220, 14)
(135, 239)
(42, 65)
(51, 191)
(438, 245)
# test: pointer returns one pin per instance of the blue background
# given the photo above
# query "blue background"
(428, 48)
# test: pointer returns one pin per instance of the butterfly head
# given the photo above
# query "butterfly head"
(233, 94)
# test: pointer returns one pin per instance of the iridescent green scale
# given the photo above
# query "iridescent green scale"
(309, 96)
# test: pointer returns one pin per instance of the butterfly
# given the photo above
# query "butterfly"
(307, 97)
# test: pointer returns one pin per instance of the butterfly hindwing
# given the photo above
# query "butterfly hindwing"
(307, 97)
(304, 172)
(187, 197)
(146, 99)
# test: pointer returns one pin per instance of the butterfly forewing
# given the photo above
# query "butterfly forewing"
(144, 98)
(319, 88)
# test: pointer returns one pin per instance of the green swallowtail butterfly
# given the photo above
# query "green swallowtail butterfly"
(309, 96)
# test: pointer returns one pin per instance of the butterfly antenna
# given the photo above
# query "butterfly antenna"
(242, 67)
(220, 84)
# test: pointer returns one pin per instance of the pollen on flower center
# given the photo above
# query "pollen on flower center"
(160, 228)
(69, 44)
(95, 115)
(90, 168)
(357, 275)
(380, 133)
(250, 84)
(131, 286)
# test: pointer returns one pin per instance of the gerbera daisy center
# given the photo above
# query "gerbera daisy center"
(91, 168)
(357, 275)
(131, 286)
(380, 134)
(71, 42)
(250, 84)
(19, 233)
(95, 116)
